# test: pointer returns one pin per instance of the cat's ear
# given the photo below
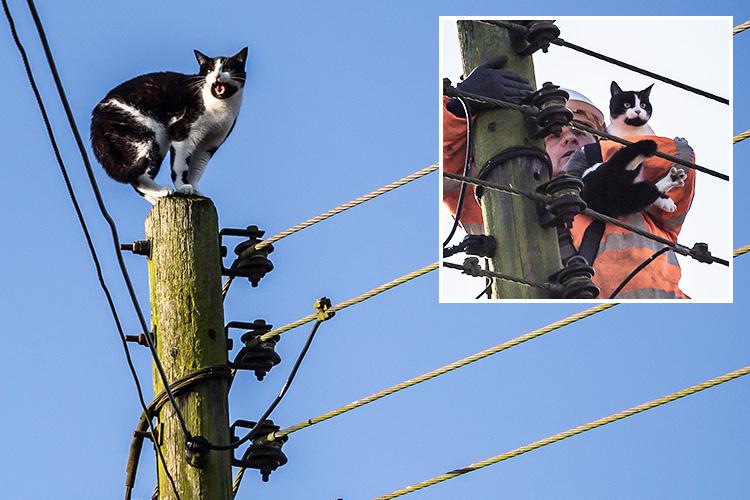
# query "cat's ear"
(241, 56)
(646, 92)
(202, 58)
(614, 88)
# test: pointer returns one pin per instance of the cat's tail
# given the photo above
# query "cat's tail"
(113, 150)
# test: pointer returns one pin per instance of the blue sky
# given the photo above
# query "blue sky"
(340, 101)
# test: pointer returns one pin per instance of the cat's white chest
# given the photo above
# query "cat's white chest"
(218, 117)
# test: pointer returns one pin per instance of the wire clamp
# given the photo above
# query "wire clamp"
(700, 253)
(266, 457)
(566, 202)
(251, 263)
(256, 355)
(481, 245)
(138, 247)
(197, 449)
(323, 310)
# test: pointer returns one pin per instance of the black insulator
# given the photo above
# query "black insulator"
(254, 264)
(566, 202)
(553, 115)
(700, 253)
(257, 355)
(266, 457)
(539, 35)
(575, 278)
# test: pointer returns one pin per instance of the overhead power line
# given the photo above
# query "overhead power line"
(103, 210)
(341, 208)
(86, 233)
(677, 247)
(563, 43)
(740, 28)
(741, 137)
(355, 300)
(570, 433)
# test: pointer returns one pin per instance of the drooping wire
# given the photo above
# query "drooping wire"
(571, 432)
(677, 247)
(105, 213)
(467, 158)
(637, 270)
(266, 414)
(478, 272)
(86, 233)
(532, 111)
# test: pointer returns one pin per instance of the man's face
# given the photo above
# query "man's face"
(561, 146)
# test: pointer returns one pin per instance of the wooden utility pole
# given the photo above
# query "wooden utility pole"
(524, 248)
(188, 325)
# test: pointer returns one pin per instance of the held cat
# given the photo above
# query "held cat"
(617, 187)
(190, 116)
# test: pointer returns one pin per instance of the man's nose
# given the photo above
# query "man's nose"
(569, 137)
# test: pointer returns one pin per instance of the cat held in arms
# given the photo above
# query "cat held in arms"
(616, 187)
(190, 116)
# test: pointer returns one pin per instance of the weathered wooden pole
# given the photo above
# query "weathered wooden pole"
(524, 248)
(188, 324)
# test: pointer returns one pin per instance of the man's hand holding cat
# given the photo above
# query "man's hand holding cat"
(490, 80)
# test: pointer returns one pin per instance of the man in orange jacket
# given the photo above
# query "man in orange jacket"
(619, 251)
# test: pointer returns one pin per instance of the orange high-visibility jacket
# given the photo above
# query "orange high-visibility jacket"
(621, 251)
(454, 154)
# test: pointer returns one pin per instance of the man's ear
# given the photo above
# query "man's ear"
(202, 58)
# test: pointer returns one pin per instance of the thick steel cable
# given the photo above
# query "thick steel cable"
(563, 43)
(84, 227)
(440, 371)
(103, 210)
(616, 62)
(483, 273)
(334, 211)
(603, 135)
(741, 137)
(355, 300)
(346, 206)
(741, 250)
(571, 432)
(740, 28)
(677, 247)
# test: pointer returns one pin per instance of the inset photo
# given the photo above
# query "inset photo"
(586, 159)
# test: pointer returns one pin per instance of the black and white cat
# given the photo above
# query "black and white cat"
(629, 111)
(190, 116)
(616, 187)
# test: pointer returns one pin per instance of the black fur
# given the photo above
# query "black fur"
(172, 99)
(611, 190)
(621, 101)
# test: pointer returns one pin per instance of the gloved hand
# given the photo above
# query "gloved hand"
(490, 80)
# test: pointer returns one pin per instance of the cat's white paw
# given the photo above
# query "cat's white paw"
(666, 204)
(165, 191)
(186, 189)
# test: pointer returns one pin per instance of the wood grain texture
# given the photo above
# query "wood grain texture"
(188, 321)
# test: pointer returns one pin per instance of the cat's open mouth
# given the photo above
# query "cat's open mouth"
(220, 89)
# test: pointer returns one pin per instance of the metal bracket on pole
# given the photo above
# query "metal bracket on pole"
(251, 263)
(257, 355)
(266, 457)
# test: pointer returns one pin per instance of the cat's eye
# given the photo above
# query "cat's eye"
(627, 105)
(643, 105)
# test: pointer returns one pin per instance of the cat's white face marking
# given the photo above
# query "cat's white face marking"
(159, 130)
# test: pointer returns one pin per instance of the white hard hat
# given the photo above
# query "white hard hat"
(585, 109)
